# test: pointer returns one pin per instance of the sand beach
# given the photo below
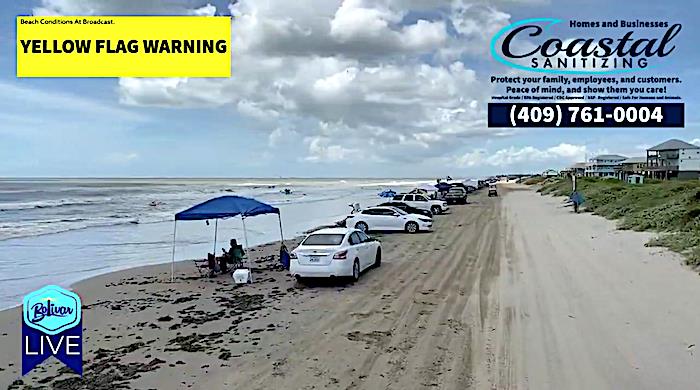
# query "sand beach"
(508, 292)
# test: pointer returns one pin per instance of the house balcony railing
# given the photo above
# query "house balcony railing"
(664, 156)
(662, 168)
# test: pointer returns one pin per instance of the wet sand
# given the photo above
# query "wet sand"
(508, 292)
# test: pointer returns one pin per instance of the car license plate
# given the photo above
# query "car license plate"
(314, 259)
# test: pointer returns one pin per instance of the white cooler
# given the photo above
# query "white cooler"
(242, 276)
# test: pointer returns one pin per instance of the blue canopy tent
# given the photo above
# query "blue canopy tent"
(221, 208)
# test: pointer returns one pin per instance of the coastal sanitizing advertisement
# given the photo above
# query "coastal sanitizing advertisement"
(349, 194)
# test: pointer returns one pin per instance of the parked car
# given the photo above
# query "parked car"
(335, 252)
(492, 190)
(456, 195)
(388, 218)
(435, 206)
(407, 208)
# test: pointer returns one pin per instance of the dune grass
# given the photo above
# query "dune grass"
(671, 208)
(534, 180)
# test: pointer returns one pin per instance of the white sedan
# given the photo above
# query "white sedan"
(388, 218)
(335, 252)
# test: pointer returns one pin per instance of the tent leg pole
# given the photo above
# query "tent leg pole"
(172, 262)
(245, 238)
(279, 218)
(245, 234)
(216, 230)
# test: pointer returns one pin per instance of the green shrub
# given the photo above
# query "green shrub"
(534, 180)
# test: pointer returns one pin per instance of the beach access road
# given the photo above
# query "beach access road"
(514, 292)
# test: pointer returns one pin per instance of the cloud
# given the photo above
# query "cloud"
(385, 77)
(359, 22)
(569, 151)
(281, 136)
(695, 141)
(365, 29)
(101, 7)
(475, 24)
(207, 10)
(523, 155)
(321, 150)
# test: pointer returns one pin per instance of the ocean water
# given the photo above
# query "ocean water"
(59, 231)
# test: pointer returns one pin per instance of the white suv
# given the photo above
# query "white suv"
(388, 218)
(423, 202)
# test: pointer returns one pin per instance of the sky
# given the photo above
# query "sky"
(333, 88)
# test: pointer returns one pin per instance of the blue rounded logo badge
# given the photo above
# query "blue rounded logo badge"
(52, 309)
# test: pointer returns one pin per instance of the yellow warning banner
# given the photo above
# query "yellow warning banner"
(123, 46)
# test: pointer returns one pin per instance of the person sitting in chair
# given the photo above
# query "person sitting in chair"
(235, 254)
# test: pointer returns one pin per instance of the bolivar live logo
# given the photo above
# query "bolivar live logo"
(52, 326)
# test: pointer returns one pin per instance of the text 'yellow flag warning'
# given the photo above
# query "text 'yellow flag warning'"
(123, 46)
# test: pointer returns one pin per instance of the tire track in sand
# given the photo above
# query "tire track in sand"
(372, 293)
(411, 305)
(411, 367)
(414, 316)
(438, 357)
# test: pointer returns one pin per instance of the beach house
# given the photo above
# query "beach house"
(673, 159)
(633, 166)
(605, 165)
(550, 173)
(577, 169)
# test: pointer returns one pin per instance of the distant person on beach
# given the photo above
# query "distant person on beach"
(577, 199)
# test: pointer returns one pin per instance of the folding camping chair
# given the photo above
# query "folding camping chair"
(206, 267)
(234, 257)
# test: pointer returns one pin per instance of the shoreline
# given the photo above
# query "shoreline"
(94, 237)
(74, 284)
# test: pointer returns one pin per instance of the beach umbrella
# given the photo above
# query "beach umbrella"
(221, 208)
